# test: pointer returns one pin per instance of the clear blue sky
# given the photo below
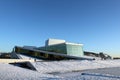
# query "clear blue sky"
(94, 23)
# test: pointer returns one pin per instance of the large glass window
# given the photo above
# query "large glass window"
(74, 50)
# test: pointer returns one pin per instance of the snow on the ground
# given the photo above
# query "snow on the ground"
(73, 65)
(90, 76)
(10, 72)
(63, 70)
(94, 74)
(111, 71)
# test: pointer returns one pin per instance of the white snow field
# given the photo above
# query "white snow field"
(64, 70)
(93, 74)
(10, 72)
(73, 65)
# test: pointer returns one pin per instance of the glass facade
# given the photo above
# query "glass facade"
(59, 48)
(69, 49)
(74, 50)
